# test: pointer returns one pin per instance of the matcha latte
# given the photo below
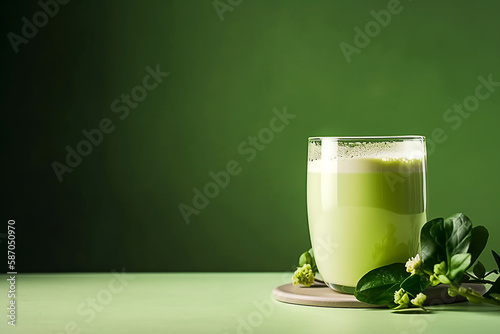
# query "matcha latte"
(366, 202)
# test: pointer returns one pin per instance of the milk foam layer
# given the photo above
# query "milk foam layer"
(362, 157)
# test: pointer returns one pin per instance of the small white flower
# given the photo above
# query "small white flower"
(413, 265)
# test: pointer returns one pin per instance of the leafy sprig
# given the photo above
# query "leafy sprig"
(449, 247)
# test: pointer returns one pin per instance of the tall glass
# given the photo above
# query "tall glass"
(366, 203)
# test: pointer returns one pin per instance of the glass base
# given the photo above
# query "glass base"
(341, 288)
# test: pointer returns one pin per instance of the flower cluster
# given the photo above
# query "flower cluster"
(303, 275)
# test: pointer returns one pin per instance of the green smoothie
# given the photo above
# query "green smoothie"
(364, 212)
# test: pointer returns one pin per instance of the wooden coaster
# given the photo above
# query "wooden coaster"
(321, 295)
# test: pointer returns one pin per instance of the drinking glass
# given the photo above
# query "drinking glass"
(366, 203)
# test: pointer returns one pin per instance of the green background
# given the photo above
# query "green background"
(119, 207)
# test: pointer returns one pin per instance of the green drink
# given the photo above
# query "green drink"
(366, 203)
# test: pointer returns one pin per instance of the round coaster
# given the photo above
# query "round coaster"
(321, 295)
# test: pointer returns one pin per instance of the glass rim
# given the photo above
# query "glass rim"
(361, 138)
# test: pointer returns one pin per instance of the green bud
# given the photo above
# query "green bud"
(401, 297)
(452, 292)
(419, 300)
(434, 280)
(440, 269)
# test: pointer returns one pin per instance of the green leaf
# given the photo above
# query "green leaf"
(479, 270)
(495, 296)
(458, 265)
(305, 258)
(442, 239)
(458, 234)
(378, 285)
(432, 241)
(415, 284)
(479, 238)
(494, 289)
(497, 258)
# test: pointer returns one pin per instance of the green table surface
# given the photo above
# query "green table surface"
(206, 303)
